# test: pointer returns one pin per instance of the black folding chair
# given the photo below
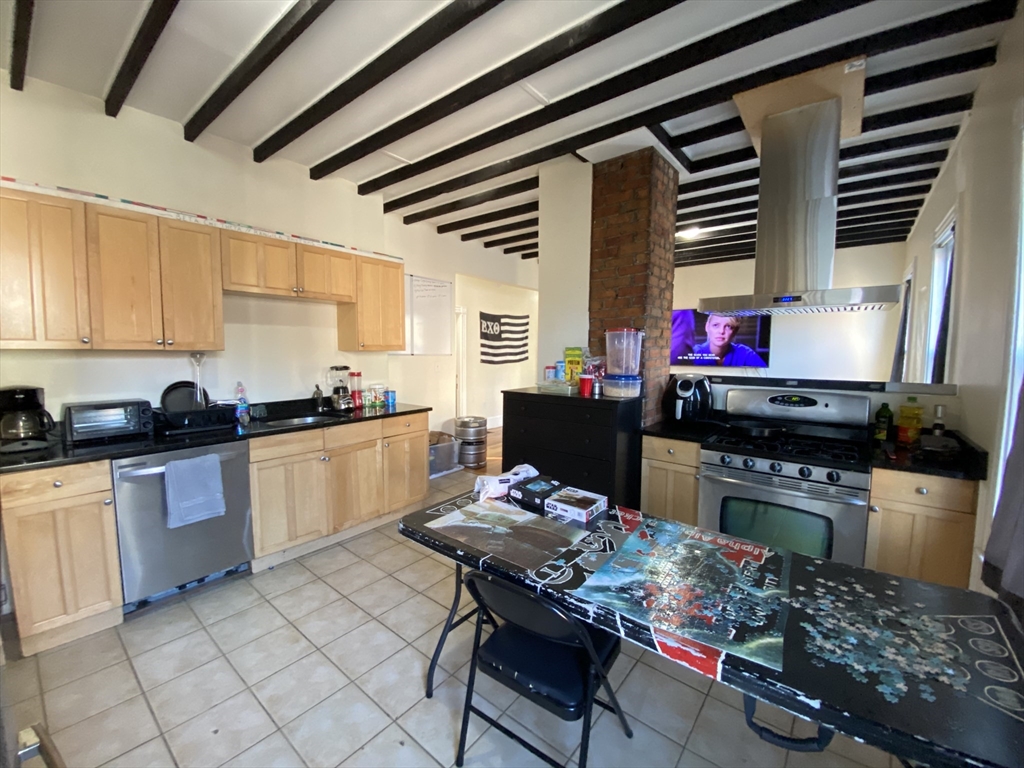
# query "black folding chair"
(543, 654)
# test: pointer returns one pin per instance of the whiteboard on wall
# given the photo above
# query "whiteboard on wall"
(428, 316)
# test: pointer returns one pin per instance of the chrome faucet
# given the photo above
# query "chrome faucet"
(318, 395)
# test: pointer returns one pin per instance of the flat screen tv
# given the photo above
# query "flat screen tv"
(734, 342)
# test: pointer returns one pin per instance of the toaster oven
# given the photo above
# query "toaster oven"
(85, 422)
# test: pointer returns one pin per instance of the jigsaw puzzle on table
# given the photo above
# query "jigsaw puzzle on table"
(713, 589)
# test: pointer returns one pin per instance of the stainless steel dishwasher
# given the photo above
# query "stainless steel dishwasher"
(155, 558)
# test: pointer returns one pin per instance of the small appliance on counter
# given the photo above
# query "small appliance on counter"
(338, 379)
(687, 398)
(109, 419)
(24, 422)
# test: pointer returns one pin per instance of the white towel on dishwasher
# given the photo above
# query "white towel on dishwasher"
(195, 490)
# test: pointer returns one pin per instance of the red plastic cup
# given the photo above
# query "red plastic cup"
(586, 384)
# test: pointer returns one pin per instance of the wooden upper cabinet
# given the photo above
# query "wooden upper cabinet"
(44, 284)
(255, 264)
(376, 322)
(190, 271)
(124, 278)
(326, 274)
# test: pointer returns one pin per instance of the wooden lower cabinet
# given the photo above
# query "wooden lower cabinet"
(406, 469)
(355, 484)
(289, 501)
(669, 491)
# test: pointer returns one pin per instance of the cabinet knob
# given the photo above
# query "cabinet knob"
(295, 290)
(873, 508)
(671, 451)
(922, 491)
(361, 344)
(160, 341)
(170, 342)
(387, 445)
(302, 290)
(408, 423)
(107, 502)
(697, 476)
(325, 458)
(58, 484)
(85, 339)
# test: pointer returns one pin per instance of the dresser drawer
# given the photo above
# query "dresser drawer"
(54, 484)
(563, 437)
(672, 451)
(581, 472)
(574, 411)
(404, 425)
(924, 490)
(290, 444)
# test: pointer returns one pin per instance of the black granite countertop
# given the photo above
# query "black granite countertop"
(57, 454)
(690, 431)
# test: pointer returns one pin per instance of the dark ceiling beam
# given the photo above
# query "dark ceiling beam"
(719, 197)
(750, 217)
(659, 132)
(942, 25)
(487, 196)
(878, 218)
(746, 33)
(489, 218)
(886, 194)
(481, 233)
(891, 180)
(19, 41)
(732, 157)
(732, 235)
(850, 233)
(922, 138)
(875, 241)
(750, 174)
(716, 260)
(528, 255)
(587, 33)
(721, 250)
(931, 70)
(931, 109)
(871, 210)
(438, 28)
(273, 44)
(512, 239)
(708, 132)
(722, 210)
(156, 18)
(894, 163)
(521, 248)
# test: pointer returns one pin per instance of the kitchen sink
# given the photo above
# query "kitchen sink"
(300, 421)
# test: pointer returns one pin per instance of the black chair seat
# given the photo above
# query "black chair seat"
(551, 674)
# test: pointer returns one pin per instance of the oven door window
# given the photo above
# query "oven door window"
(777, 525)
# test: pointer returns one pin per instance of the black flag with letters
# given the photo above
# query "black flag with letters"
(504, 338)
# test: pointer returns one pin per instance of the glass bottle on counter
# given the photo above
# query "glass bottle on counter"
(908, 426)
(883, 423)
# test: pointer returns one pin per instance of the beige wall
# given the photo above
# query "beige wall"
(857, 346)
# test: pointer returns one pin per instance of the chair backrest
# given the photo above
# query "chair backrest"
(527, 610)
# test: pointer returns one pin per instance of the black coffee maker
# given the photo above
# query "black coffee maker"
(24, 422)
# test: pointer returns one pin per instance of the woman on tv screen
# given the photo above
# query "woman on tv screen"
(720, 349)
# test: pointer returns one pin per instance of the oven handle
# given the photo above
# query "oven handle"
(785, 491)
(162, 468)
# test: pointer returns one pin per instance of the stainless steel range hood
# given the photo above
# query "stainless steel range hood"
(796, 222)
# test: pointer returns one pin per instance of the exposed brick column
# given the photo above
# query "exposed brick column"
(632, 262)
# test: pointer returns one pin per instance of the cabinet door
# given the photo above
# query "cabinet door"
(254, 264)
(669, 491)
(289, 501)
(392, 306)
(406, 469)
(124, 279)
(376, 322)
(44, 283)
(920, 542)
(64, 560)
(190, 279)
(368, 302)
(355, 483)
(326, 274)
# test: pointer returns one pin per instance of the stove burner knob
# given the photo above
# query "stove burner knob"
(726, 460)
(833, 476)
(775, 467)
(804, 472)
(748, 463)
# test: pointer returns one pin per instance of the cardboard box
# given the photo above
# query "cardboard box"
(532, 493)
(573, 364)
(571, 505)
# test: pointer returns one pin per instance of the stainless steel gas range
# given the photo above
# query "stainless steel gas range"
(790, 470)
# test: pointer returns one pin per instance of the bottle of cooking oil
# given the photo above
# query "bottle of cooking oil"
(908, 425)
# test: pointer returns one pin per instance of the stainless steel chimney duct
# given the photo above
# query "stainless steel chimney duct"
(796, 222)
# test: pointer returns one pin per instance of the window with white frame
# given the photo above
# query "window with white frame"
(940, 303)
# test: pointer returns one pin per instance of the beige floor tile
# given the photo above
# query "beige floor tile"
(766, 714)
(175, 658)
(381, 596)
(331, 622)
(843, 745)
(399, 681)
(305, 599)
(391, 531)
(412, 618)
(443, 560)
(620, 670)
(21, 680)
(363, 648)
(354, 577)
(318, 735)
(25, 713)
(495, 750)
(80, 658)
(283, 578)
(632, 650)
(244, 627)
(435, 723)
(329, 560)
(561, 734)
(458, 646)
(298, 687)
(826, 759)
(273, 752)
(721, 735)
(392, 747)
(218, 601)
(152, 754)
(423, 573)
(677, 671)
(611, 748)
(220, 733)
(692, 760)
(107, 735)
(145, 630)
(266, 655)
(443, 593)
(89, 695)
(665, 704)
(193, 693)
(395, 558)
(369, 544)
(499, 696)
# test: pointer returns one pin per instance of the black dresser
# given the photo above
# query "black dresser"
(591, 444)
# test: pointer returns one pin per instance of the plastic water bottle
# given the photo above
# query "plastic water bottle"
(242, 409)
